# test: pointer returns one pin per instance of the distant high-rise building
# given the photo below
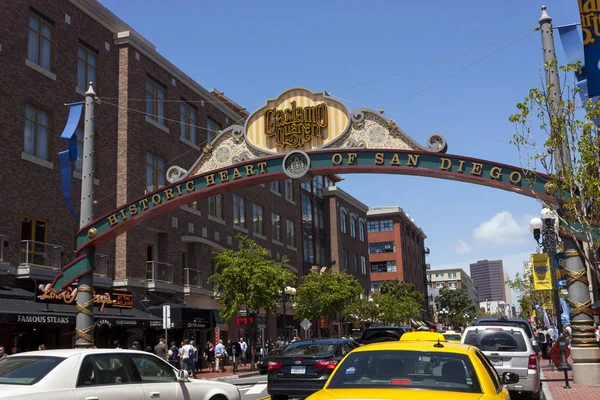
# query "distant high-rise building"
(489, 276)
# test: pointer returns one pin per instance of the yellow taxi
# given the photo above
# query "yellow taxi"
(452, 336)
(423, 368)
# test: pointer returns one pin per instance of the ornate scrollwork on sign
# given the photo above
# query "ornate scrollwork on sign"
(437, 143)
(237, 133)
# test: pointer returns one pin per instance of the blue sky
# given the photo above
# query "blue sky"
(254, 50)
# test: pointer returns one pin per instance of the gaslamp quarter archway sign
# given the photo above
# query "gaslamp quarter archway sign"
(298, 133)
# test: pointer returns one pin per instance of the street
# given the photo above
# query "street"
(253, 387)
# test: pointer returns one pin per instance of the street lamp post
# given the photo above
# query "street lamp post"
(546, 227)
(287, 292)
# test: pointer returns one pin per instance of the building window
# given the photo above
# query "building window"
(318, 186)
(257, 220)
(39, 41)
(36, 231)
(383, 266)
(213, 129)
(309, 253)
(215, 206)
(155, 172)
(381, 226)
(320, 251)
(276, 227)
(155, 101)
(373, 226)
(439, 285)
(452, 285)
(376, 286)
(345, 259)
(290, 233)
(274, 186)
(355, 262)
(363, 265)
(452, 275)
(239, 211)
(37, 125)
(307, 217)
(382, 247)
(86, 67)
(353, 226)
(306, 186)
(289, 190)
(320, 215)
(361, 230)
(343, 222)
(187, 119)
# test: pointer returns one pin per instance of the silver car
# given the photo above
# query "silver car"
(509, 350)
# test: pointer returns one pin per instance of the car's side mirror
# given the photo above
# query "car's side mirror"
(182, 376)
(509, 378)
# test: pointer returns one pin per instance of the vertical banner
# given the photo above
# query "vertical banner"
(542, 279)
(561, 276)
(589, 12)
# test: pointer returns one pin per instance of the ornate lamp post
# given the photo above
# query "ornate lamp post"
(546, 228)
(285, 297)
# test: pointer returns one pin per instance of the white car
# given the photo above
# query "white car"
(98, 374)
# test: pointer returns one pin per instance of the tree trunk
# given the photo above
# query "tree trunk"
(253, 341)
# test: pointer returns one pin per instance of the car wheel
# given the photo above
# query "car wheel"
(279, 397)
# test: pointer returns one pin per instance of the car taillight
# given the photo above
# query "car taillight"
(326, 364)
(532, 362)
(274, 365)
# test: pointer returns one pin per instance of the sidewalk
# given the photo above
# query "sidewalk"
(555, 380)
(228, 374)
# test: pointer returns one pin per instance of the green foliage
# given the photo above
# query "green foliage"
(248, 277)
(528, 296)
(325, 294)
(399, 302)
(557, 135)
(461, 309)
(361, 311)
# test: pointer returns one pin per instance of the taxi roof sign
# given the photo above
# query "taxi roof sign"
(422, 337)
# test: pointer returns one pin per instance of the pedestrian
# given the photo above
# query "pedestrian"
(161, 349)
(220, 356)
(149, 349)
(173, 355)
(244, 355)
(42, 347)
(210, 357)
(117, 344)
(3, 354)
(135, 346)
(235, 350)
(193, 353)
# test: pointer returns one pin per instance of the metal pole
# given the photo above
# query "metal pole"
(584, 352)
(284, 316)
(549, 240)
(84, 323)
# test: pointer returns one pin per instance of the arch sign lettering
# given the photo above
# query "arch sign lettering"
(298, 133)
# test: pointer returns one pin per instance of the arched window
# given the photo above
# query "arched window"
(361, 231)
(352, 226)
(343, 221)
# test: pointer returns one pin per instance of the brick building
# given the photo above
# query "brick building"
(454, 278)
(396, 249)
(149, 116)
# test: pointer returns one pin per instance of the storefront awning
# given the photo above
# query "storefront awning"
(186, 317)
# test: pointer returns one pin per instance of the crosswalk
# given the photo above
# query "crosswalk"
(254, 390)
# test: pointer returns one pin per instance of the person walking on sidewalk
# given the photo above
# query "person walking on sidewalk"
(220, 355)
(210, 356)
(161, 349)
(174, 355)
(244, 354)
(184, 354)
(235, 350)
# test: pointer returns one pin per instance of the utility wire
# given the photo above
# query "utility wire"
(438, 61)
(460, 70)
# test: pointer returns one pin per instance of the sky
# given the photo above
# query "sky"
(452, 67)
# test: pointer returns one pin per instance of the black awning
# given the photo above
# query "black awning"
(32, 312)
(183, 316)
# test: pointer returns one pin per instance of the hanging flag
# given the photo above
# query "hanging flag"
(589, 12)
(541, 272)
(546, 320)
(565, 317)
(67, 157)
(561, 275)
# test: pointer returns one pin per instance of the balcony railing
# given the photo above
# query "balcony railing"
(101, 265)
(192, 278)
(159, 272)
(39, 254)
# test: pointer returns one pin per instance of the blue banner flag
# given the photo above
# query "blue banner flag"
(589, 12)
(559, 267)
(67, 157)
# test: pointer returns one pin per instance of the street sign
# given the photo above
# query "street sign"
(306, 324)
(166, 317)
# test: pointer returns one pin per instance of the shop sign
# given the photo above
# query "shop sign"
(102, 322)
(126, 322)
(115, 300)
(154, 323)
(43, 319)
(195, 325)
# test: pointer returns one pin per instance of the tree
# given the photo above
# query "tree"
(399, 302)
(361, 312)
(248, 277)
(325, 294)
(529, 298)
(460, 307)
(543, 125)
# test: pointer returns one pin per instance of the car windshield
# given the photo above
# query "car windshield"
(452, 336)
(309, 349)
(406, 369)
(517, 324)
(496, 340)
(26, 370)
(383, 333)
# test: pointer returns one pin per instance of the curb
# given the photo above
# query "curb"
(545, 387)
(234, 377)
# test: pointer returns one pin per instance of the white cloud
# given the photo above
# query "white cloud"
(463, 247)
(503, 229)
